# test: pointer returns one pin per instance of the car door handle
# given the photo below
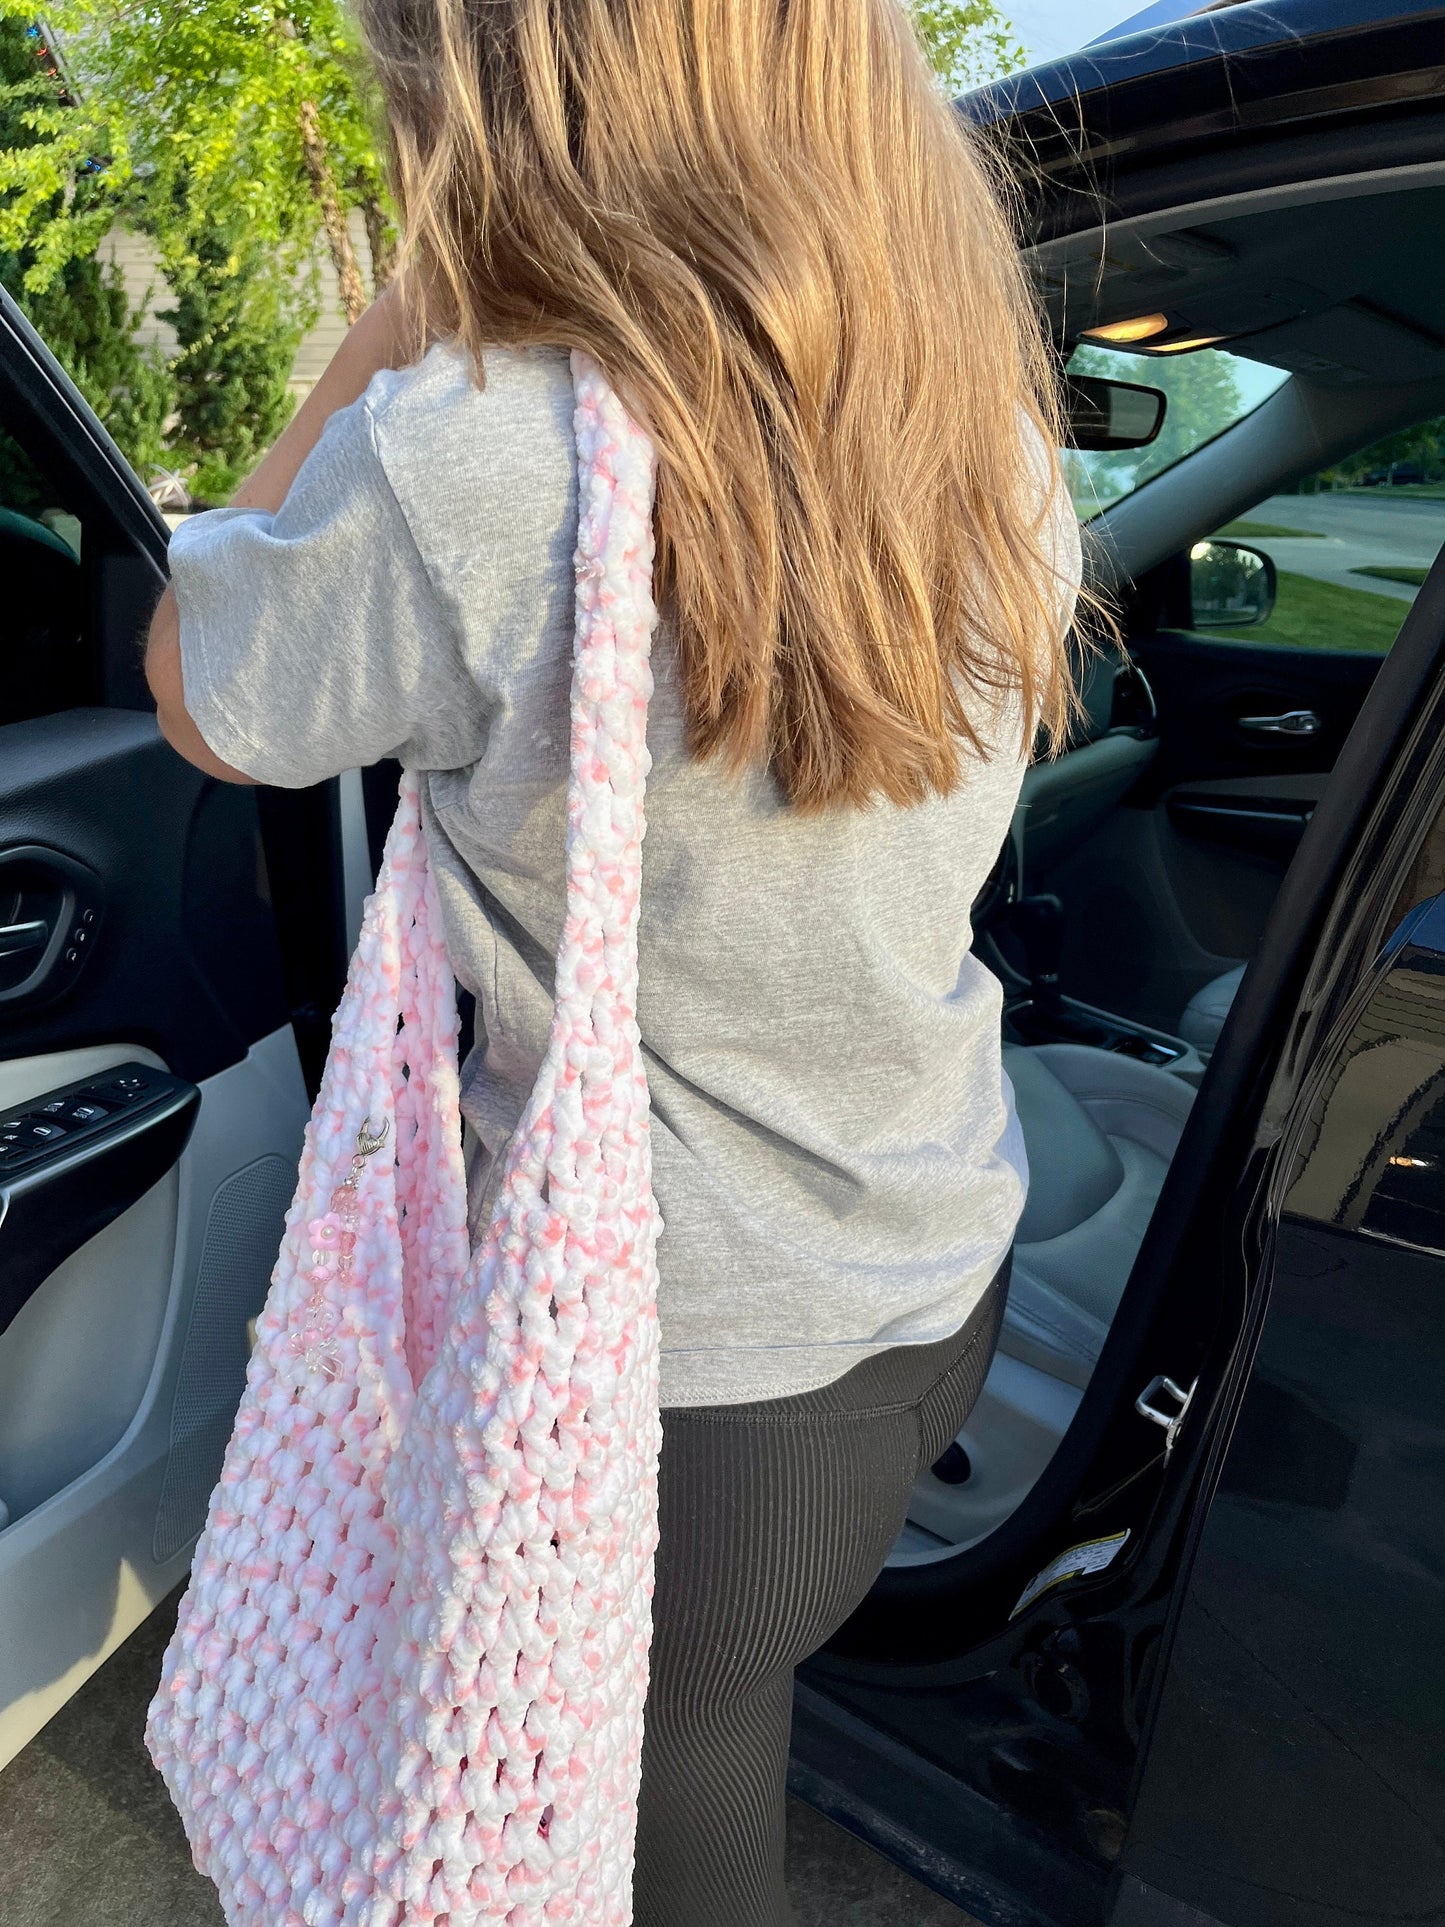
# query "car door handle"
(1295, 722)
(16, 938)
(54, 905)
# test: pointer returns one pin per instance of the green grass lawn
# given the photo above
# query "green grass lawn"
(1320, 615)
(1395, 572)
(1262, 531)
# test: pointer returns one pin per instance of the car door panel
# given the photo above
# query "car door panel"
(1310, 1632)
(181, 884)
(1139, 938)
(119, 1381)
(1206, 688)
(76, 1160)
(1174, 888)
(79, 1334)
(122, 1363)
(1165, 898)
(1258, 815)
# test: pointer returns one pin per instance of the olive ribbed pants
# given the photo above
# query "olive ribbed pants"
(775, 1519)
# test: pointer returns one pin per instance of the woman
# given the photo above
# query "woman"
(778, 241)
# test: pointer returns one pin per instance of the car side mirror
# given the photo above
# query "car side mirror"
(1104, 417)
(1230, 586)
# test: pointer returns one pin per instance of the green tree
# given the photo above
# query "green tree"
(241, 115)
(238, 136)
(235, 347)
(88, 323)
(968, 41)
(1423, 446)
(79, 305)
(1204, 399)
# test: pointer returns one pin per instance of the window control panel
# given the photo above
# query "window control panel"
(78, 1114)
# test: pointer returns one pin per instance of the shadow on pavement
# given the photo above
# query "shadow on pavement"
(88, 1836)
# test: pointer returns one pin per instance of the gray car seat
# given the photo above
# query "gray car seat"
(1206, 1011)
(1100, 1130)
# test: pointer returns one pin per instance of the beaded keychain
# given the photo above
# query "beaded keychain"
(333, 1241)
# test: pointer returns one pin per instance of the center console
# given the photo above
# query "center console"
(1068, 1022)
(1037, 1012)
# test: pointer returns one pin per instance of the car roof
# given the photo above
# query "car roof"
(1270, 174)
(1075, 131)
(1173, 35)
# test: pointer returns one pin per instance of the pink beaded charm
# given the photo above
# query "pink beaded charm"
(332, 1239)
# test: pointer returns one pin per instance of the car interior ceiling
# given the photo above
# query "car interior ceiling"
(1343, 289)
(1350, 291)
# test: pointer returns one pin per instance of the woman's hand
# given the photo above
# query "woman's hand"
(383, 337)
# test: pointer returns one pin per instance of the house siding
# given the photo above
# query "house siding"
(145, 286)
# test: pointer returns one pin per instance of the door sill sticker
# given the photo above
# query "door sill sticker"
(1077, 1563)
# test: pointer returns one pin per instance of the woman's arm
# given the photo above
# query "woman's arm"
(382, 338)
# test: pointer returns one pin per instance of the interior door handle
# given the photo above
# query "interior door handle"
(51, 908)
(1295, 722)
(16, 938)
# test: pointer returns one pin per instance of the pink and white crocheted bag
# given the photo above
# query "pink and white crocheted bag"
(407, 1682)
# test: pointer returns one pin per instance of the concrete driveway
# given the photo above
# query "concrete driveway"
(88, 1837)
(1349, 532)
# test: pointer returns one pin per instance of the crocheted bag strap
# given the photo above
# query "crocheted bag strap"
(524, 1491)
(430, 1177)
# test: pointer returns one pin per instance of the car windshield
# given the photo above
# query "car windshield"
(1208, 391)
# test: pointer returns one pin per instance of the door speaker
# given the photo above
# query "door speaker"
(243, 1234)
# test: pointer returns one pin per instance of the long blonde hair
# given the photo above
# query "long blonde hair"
(775, 235)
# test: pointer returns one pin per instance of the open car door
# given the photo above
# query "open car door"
(151, 1096)
(1194, 1676)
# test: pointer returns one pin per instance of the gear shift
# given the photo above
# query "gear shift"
(1038, 922)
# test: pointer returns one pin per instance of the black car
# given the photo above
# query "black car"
(1161, 1643)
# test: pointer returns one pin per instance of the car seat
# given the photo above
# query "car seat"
(1100, 1130)
(1206, 1011)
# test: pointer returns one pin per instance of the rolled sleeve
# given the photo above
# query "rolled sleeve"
(312, 640)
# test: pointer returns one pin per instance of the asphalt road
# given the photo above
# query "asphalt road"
(1348, 532)
(88, 1837)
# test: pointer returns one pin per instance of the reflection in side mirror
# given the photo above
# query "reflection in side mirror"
(1107, 416)
(1230, 587)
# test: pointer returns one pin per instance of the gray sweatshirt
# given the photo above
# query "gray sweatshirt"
(835, 1151)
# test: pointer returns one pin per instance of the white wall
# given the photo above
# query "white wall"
(144, 285)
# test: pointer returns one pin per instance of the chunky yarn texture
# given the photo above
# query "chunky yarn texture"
(408, 1677)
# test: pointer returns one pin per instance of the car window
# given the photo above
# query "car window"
(44, 661)
(1352, 546)
(29, 493)
(1209, 391)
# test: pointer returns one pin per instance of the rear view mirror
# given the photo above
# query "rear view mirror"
(1230, 587)
(1105, 416)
